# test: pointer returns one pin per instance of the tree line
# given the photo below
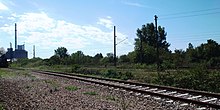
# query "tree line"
(146, 44)
(145, 53)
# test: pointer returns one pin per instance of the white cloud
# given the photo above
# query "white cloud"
(3, 7)
(109, 17)
(41, 30)
(133, 4)
(107, 22)
(11, 18)
(1, 17)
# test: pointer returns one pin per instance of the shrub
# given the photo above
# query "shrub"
(127, 75)
(75, 68)
(71, 88)
(112, 74)
(197, 78)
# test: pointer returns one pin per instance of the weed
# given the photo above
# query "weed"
(25, 73)
(71, 88)
(1, 107)
(90, 93)
(5, 73)
(123, 102)
(112, 98)
(53, 83)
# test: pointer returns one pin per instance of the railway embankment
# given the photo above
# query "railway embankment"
(27, 90)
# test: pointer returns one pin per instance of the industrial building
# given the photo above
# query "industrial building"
(19, 51)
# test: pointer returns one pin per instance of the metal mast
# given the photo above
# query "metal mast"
(15, 36)
(114, 47)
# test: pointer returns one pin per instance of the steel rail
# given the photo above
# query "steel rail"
(85, 78)
(216, 95)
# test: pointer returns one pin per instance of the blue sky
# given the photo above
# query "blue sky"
(87, 25)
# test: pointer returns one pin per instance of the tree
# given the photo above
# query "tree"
(97, 58)
(190, 46)
(147, 35)
(54, 60)
(179, 58)
(207, 53)
(211, 49)
(146, 43)
(124, 59)
(132, 56)
(78, 57)
(110, 57)
(190, 54)
(61, 52)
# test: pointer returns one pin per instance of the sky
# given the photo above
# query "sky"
(87, 25)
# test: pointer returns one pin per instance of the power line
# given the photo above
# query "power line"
(201, 39)
(200, 33)
(193, 36)
(187, 12)
(190, 13)
(191, 39)
(196, 34)
(122, 41)
(185, 16)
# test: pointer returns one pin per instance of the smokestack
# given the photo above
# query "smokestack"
(34, 51)
(10, 45)
(15, 36)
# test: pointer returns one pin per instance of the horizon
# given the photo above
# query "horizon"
(49, 25)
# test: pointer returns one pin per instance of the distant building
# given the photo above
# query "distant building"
(19, 51)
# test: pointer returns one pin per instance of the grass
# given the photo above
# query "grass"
(90, 93)
(112, 98)
(5, 74)
(71, 88)
(53, 83)
(25, 73)
(123, 102)
(10, 74)
(1, 107)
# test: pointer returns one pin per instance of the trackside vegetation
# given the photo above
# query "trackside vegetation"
(193, 68)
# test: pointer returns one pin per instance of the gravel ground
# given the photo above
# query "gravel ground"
(42, 92)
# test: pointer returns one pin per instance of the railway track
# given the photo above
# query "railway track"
(204, 100)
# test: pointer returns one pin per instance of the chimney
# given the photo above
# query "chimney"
(10, 45)
(15, 36)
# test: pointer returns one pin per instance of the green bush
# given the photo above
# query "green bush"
(197, 79)
(75, 68)
(127, 75)
(112, 74)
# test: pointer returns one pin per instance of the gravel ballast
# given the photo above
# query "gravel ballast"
(43, 92)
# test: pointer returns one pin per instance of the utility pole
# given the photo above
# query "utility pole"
(114, 47)
(156, 35)
(34, 51)
(15, 36)
(141, 48)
